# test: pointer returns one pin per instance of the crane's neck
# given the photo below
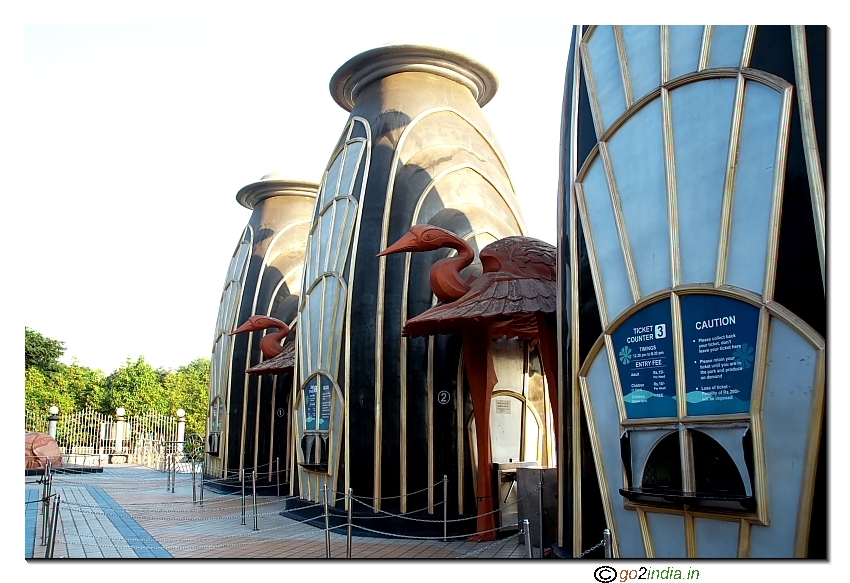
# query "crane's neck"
(270, 345)
(446, 281)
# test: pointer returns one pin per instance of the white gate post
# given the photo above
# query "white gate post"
(51, 421)
(119, 429)
(181, 428)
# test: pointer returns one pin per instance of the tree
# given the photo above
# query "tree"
(187, 389)
(136, 387)
(86, 386)
(42, 352)
(42, 391)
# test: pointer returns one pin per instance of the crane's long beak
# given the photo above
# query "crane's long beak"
(408, 242)
(246, 327)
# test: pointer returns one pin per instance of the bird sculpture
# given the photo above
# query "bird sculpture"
(279, 357)
(514, 297)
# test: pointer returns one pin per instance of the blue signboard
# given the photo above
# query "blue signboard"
(719, 335)
(317, 403)
(644, 347)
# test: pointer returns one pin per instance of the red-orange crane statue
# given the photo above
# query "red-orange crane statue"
(279, 358)
(514, 297)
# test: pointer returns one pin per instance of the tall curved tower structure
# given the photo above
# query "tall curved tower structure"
(692, 215)
(386, 415)
(249, 422)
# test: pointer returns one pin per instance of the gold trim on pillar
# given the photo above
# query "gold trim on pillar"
(672, 191)
(778, 187)
(625, 74)
(678, 356)
(589, 81)
(597, 460)
(620, 221)
(367, 160)
(705, 48)
(690, 536)
(461, 432)
(429, 420)
(749, 42)
(744, 529)
(610, 352)
(591, 255)
(810, 142)
(804, 514)
(645, 533)
(729, 184)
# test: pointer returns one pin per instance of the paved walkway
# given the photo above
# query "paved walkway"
(127, 512)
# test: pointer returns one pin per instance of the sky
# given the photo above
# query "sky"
(139, 137)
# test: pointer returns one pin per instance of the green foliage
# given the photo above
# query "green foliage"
(41, 392)
(136, 385)
(42, 352)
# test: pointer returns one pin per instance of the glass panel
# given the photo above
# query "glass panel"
(315, 330)
(346, 210)
(702, 122)
(330, 333)
(727, 46)
(643, 53)
(685, 45)
(606, 242)
(605, 65)
(754, 187)
(637, 155)
(719, 336)
(352, 159)
(330, 190)
(329, 240)
(644, 350)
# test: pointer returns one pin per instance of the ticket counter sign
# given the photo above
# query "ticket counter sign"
(719, 335)
(644, 347)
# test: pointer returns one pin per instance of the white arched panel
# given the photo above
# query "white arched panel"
(756, 175)
(702, 124)
(643, 52)
(637, 158)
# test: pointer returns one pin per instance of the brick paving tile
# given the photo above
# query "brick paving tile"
(145, 511)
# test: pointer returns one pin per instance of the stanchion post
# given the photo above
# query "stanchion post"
(45, 507)
(540, 511)
(608, 543)
(277, 473)
(242, 479)
(350, 508)
(173, 470)
(203, 471)
(327, 524)
(194, 482)
(54, 521)
(254, 496)
(526, 529)
(445, 505)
